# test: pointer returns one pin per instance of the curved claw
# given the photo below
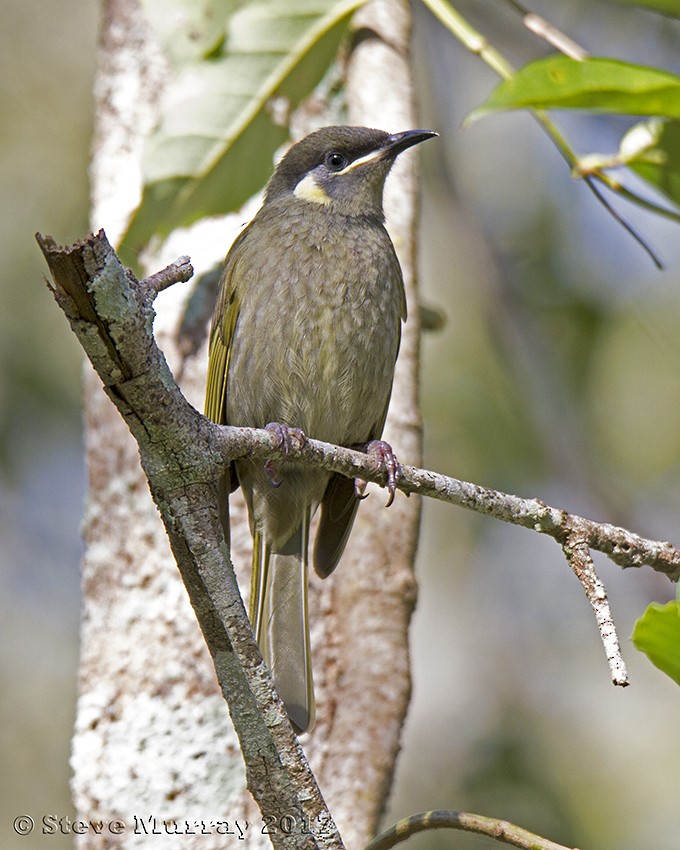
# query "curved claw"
(359, 489)
(272, 470)
(383, 454)
(287, 439)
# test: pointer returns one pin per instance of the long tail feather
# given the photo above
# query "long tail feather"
(279, 615)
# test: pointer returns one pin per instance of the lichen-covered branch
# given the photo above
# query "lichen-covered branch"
(580, 560)
(112, 315)
(577, 535)
(114, 326)
(183, 453)
(623, 547)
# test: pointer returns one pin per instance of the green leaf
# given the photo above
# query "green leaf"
(657, 634)
(598, 85)
(659, 162)
(189, 29)
(665, 7)
(214, 146)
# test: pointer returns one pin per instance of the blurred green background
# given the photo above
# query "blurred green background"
(556, 375)
(47, 56)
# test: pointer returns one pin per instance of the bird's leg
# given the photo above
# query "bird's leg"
(382, 453)
(286, 438)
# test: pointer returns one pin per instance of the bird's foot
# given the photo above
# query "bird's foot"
(286, 439)
(382, 453)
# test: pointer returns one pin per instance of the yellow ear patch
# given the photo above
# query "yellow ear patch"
(309, 190)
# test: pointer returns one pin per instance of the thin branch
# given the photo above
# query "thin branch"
(479, 45)
(549, 32)
(590, 183)
(583, 169)
(470, 38)
(580, 560)
(183, 454)
(620, 545)
(178, 272)
(500, 830)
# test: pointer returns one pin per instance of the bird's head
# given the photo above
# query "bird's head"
(342, 168)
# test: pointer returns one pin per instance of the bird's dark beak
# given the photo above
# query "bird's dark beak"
(398, 142)
(389, 150)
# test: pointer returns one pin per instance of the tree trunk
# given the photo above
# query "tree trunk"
(153, 740)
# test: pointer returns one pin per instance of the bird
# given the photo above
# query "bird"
(304, 341)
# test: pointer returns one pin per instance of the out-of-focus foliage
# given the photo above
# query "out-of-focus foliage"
(658, 161)
(595, 84)
(657, 634)
(214, 146)
(666, 7)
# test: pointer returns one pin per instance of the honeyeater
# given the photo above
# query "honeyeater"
(305, 336)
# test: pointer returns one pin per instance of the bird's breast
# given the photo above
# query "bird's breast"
(318, 333)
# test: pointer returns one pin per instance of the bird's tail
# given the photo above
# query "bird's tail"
(278, 613)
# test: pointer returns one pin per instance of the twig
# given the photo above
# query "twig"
(580, 560)
(626, 193)
(478, 44)
(583, 169)
(549, 32)
(620, 545)
(178, 272)
(501, 830)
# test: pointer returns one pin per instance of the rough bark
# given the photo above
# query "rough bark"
(183, 454)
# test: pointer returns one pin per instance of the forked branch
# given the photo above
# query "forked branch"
(183, 454)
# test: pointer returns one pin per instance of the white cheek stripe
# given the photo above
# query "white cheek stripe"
(363, 160)
(309, 190)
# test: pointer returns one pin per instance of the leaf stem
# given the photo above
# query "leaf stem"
(478, 44)
(468, 36)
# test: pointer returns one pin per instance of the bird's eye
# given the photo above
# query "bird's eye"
(335, 161)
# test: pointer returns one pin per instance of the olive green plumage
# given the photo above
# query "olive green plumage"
(305, 333)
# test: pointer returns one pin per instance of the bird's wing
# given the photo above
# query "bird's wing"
(221, 336)
(338, 509)
(340, 502)
(219, 351)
